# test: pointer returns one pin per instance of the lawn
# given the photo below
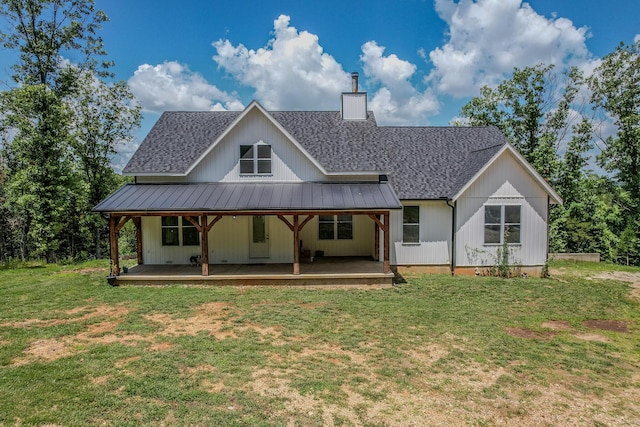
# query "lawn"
(436, 350)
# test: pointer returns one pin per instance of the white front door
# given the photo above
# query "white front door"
(259, 237)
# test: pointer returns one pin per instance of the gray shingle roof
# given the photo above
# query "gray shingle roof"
(422, 162)
(224, 196)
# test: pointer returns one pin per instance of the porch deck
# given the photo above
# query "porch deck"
(322, 271)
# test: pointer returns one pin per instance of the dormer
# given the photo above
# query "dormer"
(354, 103)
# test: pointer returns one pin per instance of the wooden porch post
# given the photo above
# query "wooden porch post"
(137, 221)
(113, 242)
(205, 245)
(296, 227)
(296, 245)
(386, 267)
(376, 250)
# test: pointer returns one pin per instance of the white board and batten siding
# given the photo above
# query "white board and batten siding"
(229, 241)
(222, 163)
(434, 247)
(502, 183)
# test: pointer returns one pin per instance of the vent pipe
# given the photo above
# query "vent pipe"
(354, 82)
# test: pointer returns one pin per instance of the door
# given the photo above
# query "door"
(259, 237)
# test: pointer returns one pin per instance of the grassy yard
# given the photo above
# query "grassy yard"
(436, 350)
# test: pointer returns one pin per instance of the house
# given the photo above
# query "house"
(258, 188)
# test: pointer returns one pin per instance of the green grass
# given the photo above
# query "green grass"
(436, 350)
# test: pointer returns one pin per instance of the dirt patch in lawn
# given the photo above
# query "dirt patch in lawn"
(89, 313)
(632, 278)
(557, 325)
(607, 325)
(529, 334)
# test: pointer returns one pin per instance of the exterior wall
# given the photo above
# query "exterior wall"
(435, 236)
(229, 241)
(223, 162)
(504, 182)
(362, 243)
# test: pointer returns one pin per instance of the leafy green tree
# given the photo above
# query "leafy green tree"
(615, 85)
(105, 115)
(532, 110)
(61, 123)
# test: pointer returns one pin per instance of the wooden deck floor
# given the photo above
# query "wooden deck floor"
(324, 271)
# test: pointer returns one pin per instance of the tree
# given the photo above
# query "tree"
(616, 89)
(105, 115)
(60, 123)
(615, 86)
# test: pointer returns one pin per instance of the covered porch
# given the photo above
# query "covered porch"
(293, 204)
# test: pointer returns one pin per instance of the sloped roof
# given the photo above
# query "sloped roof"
(226, 196)
(422, 162)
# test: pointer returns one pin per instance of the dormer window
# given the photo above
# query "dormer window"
(255, 159)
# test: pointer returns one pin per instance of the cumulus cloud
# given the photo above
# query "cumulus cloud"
(488, 38)
(172, 86)
(291, 72)
(396, 100)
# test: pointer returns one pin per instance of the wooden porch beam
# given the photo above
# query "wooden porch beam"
(286, 222)
(122, 221)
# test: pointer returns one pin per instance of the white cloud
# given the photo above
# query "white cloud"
(396, 101)
(291, 72)
(488, 38)
(172, 86)
(636, 39)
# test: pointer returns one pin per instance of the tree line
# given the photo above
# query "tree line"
(63, 115)
(61, 120)
(561, 123)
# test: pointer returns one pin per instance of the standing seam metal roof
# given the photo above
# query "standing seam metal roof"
(250, 197)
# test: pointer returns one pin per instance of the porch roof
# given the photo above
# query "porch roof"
(222, 196)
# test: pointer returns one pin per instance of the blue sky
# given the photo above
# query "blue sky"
(419, 61)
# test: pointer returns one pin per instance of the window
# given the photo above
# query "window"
(332, 227)
(345, 227)
(411, 224)
(190, 235)
(171, 228)
(255, 159)
(501, 221)
(170, 231)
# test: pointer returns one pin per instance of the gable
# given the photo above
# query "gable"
(221, 161)
(508, 174)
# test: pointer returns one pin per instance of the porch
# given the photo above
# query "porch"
(321, 272)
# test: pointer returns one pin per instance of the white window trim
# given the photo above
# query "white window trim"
(404, 242)
(502, 223)
(335, 221)
(182, 224)
(256, 160)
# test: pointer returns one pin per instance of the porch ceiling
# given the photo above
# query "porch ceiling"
(300, 196)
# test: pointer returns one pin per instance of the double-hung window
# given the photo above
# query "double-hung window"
(173, 227)
(332, 227)
(411, 224)
(502, 223)
(255, 159)
(170, 231)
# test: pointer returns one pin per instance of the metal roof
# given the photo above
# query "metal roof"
(298, 196)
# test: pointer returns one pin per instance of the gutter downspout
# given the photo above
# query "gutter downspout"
(453, 235)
